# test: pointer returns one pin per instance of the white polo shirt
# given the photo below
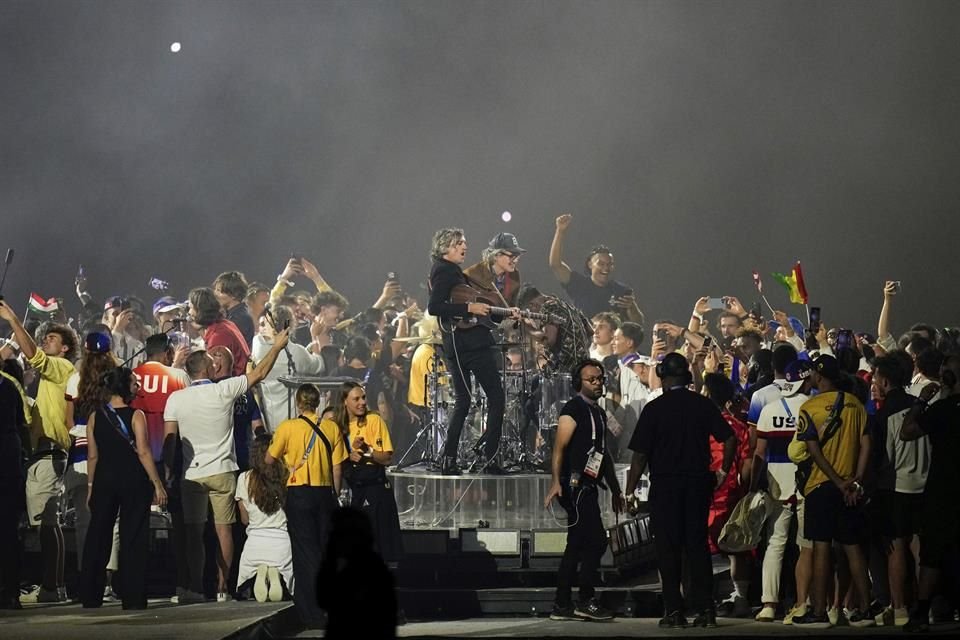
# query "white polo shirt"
(204, 414)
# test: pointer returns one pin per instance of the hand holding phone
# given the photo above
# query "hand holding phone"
(716, 303)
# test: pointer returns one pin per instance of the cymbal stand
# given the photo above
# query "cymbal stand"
(429, 434)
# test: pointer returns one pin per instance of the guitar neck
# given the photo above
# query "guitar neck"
(503, 311)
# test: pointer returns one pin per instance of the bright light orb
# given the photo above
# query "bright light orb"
(506, 216)
(175, 47)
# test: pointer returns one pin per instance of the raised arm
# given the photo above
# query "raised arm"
(883, 323)
(27, 345)
(560, 269)
(266, 363)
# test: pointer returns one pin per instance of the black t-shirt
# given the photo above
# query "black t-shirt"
(592, 299)
(240, 316)
(674, 432)
(585, 437)
(941, 421)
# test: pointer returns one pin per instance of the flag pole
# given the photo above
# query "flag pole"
(807, 307)
(762, 295)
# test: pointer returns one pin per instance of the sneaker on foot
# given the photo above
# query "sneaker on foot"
(767, 614)
(858, 619)
(223, 596)
(275, 594)
(185, 596)
(706, 618)
(109, 595)
(834, 614)
(797, 611)
(673, 620)
(39, 594)
(259, 584)
(562, 612)
(810, 620)
(591, 610)
(900, 616)
(884, 618)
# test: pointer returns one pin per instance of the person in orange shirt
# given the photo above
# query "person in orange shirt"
(158, 379)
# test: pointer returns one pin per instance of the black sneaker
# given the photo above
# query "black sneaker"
(562, 612)
(591, 610)
(673, 620)
(706, 618)
(916, 625)
(810, 620)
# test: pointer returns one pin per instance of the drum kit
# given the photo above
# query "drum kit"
(534, 399)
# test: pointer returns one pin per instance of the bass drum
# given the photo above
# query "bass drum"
(555, 391)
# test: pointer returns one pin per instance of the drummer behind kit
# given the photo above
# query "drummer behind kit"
(533, 399)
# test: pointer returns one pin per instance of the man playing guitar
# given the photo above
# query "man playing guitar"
(468, 348)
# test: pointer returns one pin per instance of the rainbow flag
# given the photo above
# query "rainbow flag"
(794, 284)
(38, 304)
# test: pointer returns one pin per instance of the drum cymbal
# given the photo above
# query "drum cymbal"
(419, 340)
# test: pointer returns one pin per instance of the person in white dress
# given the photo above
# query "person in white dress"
(267, 557)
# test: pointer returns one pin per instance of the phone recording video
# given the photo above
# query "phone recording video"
(814, 320)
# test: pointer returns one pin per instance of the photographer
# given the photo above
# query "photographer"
(121, 318)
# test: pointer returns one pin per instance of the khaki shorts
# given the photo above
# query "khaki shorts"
(802, 542)
(44, 487)
(217, 491)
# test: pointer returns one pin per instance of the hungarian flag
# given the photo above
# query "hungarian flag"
(38, 304)
(794, 285)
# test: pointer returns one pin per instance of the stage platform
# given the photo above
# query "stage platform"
(428, 500)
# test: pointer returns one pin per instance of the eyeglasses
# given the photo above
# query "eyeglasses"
(510, 256)
(594, 379)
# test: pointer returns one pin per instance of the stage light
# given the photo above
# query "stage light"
(175, 47)
(505, 216)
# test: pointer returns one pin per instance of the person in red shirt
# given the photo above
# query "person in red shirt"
(730, 490)
(205, 313)
(157, 381)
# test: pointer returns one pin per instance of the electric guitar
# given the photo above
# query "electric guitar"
(465, 294)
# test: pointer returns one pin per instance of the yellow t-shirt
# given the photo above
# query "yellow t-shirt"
(291, 440)
(374, 432)
(420, 365)
(842, 450)
(51, 400)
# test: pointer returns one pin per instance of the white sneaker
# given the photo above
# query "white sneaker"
(901, 616)
(223, 596)
(259, 585)
(767, 614)
(833, 615)
(40, 595)
(884, 618)
(276, 585)
(109, 595)
(797, 611)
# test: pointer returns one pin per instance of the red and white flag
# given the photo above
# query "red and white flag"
(38, 304)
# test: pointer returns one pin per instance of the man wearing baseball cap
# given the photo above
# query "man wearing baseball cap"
(833, 426)
(776, 426)
(497, 269)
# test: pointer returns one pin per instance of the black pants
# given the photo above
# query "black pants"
(11, 506)
(586, 542)
(132, 499)
(380, 505)
(483, 364)
(678, 519)
(308, 512)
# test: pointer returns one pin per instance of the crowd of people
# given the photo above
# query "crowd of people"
(186, 407)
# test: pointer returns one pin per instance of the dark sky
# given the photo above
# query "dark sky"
(700, 140)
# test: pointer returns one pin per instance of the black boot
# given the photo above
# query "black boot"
(449, 466)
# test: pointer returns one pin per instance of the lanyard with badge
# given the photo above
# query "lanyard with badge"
(594, 455)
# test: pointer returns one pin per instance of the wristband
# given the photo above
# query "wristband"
(280, 278)
(696, 315)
